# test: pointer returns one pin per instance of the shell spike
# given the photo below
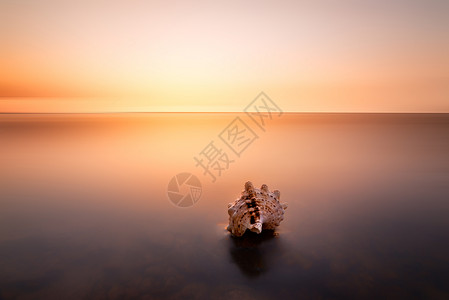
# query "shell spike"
(249, 186)
(277, 194)
(264, 188)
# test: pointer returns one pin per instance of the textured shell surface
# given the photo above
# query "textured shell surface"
(255, 210)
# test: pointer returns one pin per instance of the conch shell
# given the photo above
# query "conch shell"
(255, 210)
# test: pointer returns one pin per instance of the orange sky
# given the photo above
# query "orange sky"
(67, 56)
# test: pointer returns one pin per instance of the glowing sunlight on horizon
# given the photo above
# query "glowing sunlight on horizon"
(139, 56)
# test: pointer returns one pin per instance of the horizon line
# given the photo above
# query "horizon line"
(219, 112)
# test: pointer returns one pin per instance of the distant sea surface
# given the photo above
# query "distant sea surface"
(86, 213)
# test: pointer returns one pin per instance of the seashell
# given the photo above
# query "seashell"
(255, 210)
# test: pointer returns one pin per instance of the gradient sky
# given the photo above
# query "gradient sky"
(218, 55)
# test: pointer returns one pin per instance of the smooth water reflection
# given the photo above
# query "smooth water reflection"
(254, 254)
(85, 214)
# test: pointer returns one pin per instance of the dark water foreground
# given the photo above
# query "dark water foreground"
(84, 212)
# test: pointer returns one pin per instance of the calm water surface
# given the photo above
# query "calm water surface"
(84, 212)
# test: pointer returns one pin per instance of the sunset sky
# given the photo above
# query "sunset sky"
(94, 56)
